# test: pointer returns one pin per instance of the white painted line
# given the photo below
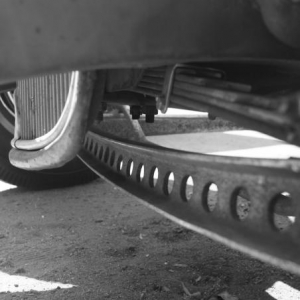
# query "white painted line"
(6, 186)
(17, 283)
(282, 291)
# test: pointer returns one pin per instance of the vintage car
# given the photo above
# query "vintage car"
(62, 62)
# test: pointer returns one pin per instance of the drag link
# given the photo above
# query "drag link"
(248, 224)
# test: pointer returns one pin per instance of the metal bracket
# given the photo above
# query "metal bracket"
(164, 100)
(258, 181)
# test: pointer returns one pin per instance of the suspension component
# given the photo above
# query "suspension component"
(150, 112)
(204, 193)
(135, 111)
(204, 89)
(139, 104)
(163, 101)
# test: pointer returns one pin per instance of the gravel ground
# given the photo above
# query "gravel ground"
(111, 247)
(163, 126)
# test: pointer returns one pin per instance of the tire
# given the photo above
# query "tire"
(73, 173)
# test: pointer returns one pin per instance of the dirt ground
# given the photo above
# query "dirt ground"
(111, 247)
(162, 126)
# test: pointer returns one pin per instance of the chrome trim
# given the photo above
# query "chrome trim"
(11, 98)
(42, 141)
(66, 142)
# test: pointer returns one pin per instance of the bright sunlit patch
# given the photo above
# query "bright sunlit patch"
(276, 152)
(282, 291)
(6, 186)
(174, 112)
(250, 133)
(292, 219)
(16, 283)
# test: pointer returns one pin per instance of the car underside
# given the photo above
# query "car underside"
(62, 63)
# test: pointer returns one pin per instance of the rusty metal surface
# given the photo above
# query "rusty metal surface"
(69, 140)
(262, 180)
(65, 35)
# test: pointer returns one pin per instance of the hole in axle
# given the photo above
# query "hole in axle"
(168, 183)
(187, 188)
(153, 177)
(210, 196)
(282, 211)
(91, 146)
(241, 204)
(106, 155)
(112, 158)
(129, 169)
(140, 173)
(100, 154)
(96, 149)
(120, 163)
(86, 142)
